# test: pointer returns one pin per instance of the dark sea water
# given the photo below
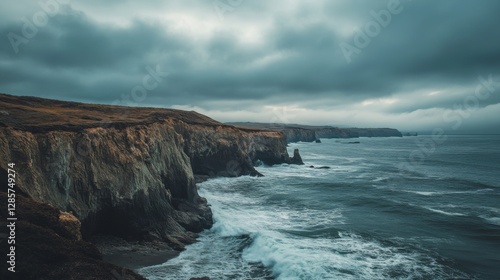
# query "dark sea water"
(365, 218)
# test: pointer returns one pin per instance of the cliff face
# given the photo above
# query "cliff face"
(299, 135)
(377, 132)
(111, 179)
(335, 132)
(293, 133)
(126, 171)
(308, 133)
(224, 150)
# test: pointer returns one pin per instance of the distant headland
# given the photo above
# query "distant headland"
(309, 133)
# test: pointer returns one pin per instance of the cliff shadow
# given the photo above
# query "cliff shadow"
(110, 219)
(131, 219)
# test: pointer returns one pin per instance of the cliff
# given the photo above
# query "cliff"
(135, 182)
(293, 133)
(127, 171)
(335, 132)
(377, 132)
(297, 134)
(307, 133)
(224, 150)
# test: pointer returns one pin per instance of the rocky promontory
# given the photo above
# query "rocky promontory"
(127, 172)
(307, 133)
(377, 132)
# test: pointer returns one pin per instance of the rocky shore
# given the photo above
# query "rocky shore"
(123, 172)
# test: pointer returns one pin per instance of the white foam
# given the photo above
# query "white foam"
(423, 193)
(236, 215)
(212, 256)
(433, 193)
(379, 179)
(346, 257)
(287, 255)
(298, 241)
(444, 212)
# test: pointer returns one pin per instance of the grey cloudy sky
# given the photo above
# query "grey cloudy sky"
(412, 65)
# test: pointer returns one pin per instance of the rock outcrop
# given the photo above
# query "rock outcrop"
(297, 159)
(127, 171)
(224, 150)
(135, 181)
(321, 167)
(297, 134)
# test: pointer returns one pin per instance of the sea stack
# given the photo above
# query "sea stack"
(297, 159)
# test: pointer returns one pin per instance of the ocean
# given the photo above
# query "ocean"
(437, 216)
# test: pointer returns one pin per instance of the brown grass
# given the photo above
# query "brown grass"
(41, 115)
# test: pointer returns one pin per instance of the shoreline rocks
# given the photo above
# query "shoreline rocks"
(321, 167)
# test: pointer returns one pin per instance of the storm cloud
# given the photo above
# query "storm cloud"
(412, 65)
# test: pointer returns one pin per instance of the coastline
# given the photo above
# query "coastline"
(142, 209)
(148, 194)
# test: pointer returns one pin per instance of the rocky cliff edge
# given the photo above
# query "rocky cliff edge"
(127, 171)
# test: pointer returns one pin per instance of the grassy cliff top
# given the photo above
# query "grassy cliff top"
(40, 115)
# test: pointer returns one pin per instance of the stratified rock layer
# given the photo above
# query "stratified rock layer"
(127, 171)
(118, 181)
